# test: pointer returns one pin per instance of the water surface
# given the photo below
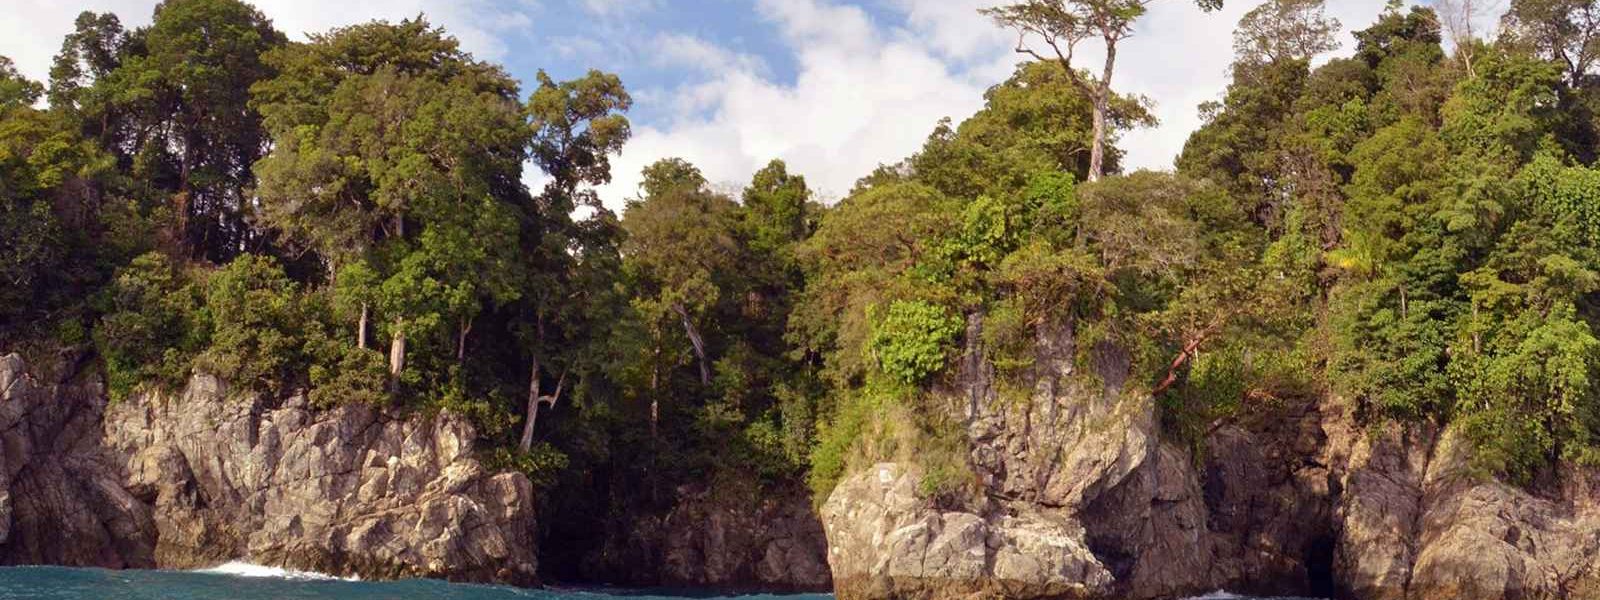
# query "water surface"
(239, 581)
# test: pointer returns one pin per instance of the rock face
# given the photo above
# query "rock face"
(1079, 496)
(885, 542)
(1470, 537)
(739, 540)
(212, 476)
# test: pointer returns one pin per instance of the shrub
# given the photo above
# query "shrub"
(147, 334)
(343, 373)
(542, 463)
(257, 325)
(914, 340)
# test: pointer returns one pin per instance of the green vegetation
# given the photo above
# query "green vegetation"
(1415, 230)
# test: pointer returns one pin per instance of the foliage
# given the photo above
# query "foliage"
(542, 463)
(255, 322)
(148, 334)
(913, 340)
(1416, 233)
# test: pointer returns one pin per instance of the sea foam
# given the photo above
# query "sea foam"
(244, 569)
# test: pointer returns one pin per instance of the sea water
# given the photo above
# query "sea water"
(240, 581)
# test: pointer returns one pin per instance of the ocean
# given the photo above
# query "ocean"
(240, 581)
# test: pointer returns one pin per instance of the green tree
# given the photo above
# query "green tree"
(1565, 31)
(682, 244)
(577, 126)
(1063, 25)
(395, 148)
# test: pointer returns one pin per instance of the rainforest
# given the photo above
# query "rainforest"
(294, 301)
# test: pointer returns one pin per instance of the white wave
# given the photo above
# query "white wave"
(243, 569)
(1217, 595)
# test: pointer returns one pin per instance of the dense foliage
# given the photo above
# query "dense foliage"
(1413, 230)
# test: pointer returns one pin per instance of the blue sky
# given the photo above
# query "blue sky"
(834, 87)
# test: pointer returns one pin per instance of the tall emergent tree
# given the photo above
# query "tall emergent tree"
(1565, 31)
(682, 244)
(1063, 26)
(577, 126)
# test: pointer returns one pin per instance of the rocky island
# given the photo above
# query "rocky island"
(355, 303)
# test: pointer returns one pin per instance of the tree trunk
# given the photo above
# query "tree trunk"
(397, 353)
(361, 328)
(1097, 148)
(533, 407)
(461, 340)
(698, 342)
(1101, 99)
(655, 384)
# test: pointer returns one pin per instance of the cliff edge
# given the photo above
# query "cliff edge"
(212, 475)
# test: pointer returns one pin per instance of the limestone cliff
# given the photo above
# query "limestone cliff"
(212, 475)
(1080, 496)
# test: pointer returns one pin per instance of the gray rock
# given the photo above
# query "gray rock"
(884, 541)
(1080, 495)
(211, 476)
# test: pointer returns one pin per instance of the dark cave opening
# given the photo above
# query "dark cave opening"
(1319, 567)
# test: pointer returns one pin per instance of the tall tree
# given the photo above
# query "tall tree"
(577, 126)
(1063, 26)
(1283, 30)
(172, 100)
(682, 242)
(398, 152)
(1566, 31)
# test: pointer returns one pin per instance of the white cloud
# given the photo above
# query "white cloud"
(690, 52)
(864, 93)
(616, 8)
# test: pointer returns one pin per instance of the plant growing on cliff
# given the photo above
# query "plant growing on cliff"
(913, 340)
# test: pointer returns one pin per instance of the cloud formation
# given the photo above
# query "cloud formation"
(864, 93)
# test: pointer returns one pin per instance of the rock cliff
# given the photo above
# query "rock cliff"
(1080, 496)
(725, 539)
(211, 475)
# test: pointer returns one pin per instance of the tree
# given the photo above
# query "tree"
(1283, 30)
(172, 101)
(16, 91)
(777, 208)
(1062, 25)
(1456, 18)
(395, 148)
(1566, 31)
(48, 206)
(682, 245)
(88, 55)
(577, 126)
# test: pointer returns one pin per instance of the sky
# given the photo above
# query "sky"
(832, 87)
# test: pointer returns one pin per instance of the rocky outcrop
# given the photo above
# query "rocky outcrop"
(1467, 536)
(210, 476)
(885, 541)
(733, 538)
(1080, 495)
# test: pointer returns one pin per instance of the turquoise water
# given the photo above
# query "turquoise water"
(246, 582)
(59, 583)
